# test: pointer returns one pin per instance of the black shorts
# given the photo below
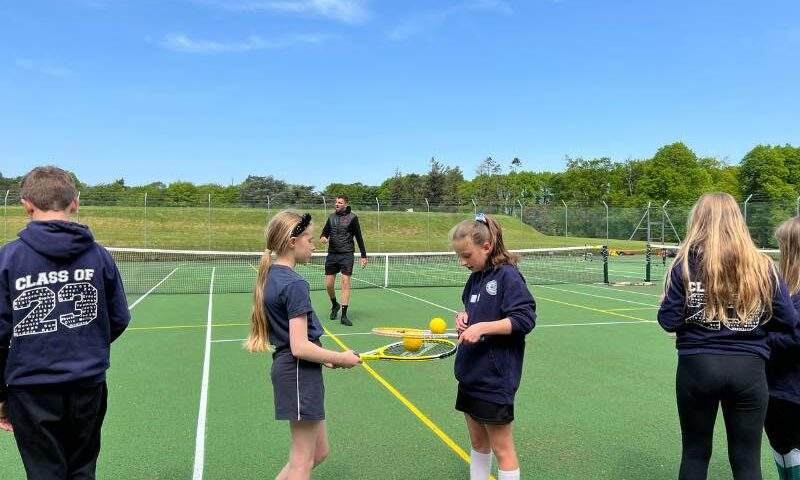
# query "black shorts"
(783, 425)
(487, 413)
(297, 388)
(339, 263)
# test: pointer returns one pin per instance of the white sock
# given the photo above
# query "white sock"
(480, 465)
(508, 474)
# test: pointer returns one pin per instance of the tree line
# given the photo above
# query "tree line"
(675, 173)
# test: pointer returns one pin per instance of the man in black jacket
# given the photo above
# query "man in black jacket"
(340, 229)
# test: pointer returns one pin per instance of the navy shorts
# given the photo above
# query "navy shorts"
(297, 387)
(339, 263)
(483, 412)
(783, 425)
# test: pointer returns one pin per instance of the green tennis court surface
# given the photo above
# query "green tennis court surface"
(596, 400)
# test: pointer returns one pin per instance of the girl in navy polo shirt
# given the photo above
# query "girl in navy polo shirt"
(283, 316)
(783, 369)
(499, 312)
(722, 298)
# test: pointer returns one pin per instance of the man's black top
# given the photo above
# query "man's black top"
(340, 229)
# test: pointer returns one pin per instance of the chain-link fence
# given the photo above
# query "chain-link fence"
(203, 222)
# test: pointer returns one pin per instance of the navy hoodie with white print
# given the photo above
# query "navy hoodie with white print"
(683, 313)
(62, 303)
(491, 369)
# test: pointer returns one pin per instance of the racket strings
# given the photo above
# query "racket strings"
(429, 348)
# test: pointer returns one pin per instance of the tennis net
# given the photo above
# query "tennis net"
(183, 271)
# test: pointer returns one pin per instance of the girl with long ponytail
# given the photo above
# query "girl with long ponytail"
(284, 322)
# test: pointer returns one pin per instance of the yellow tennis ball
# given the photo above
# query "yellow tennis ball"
(437, 325)
(412, 344)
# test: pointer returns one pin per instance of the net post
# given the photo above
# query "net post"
(648, 256)
(604, 254)
(386, 271)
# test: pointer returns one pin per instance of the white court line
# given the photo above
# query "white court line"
(154, 287)
(596, 296)
(407, 295)
(200, 437)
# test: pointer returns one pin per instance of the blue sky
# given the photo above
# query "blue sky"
(321, 91)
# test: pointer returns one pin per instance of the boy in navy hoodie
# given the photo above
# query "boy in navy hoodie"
(61, 305)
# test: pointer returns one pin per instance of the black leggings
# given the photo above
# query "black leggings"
(739, 383)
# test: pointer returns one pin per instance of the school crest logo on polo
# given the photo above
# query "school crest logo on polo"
(491, 287)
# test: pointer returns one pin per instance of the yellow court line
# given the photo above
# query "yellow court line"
(177, 327)
(410, 406)
(600, 310)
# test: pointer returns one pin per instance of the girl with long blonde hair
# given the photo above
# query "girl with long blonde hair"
(783, 369)
(284, 318)
(722, 298)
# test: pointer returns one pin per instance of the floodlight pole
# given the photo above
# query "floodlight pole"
(209, 221)
(745, 208)
(324, 204)
(796, 207)
(566, 219)
(78, 211)
(520, 210)
(474, 207)
(663, 217)
(606, 205)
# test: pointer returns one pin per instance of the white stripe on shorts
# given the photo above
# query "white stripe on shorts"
(297, 385)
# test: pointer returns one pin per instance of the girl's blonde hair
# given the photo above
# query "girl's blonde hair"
(278, 234)
(481, 230)
(734, 273)
(788, 236)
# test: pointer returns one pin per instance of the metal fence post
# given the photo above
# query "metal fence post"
(5, 217)
(745, 208)
(380, 238)
(796, 207)
(606, 205)
(145, 219)
(209, 221)
(566, 219)
(474, 207)
(325, 205)
(428, 221)
(520, 210)
(78, 211)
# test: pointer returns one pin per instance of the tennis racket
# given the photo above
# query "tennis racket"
(431, 349)
(411, 333)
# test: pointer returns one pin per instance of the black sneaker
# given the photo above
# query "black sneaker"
(335, 311)
(346, 321)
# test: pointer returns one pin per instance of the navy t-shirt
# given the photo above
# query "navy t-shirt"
(286, 296)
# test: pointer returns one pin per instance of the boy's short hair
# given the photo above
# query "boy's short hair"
(48, 188)
(343, 197)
